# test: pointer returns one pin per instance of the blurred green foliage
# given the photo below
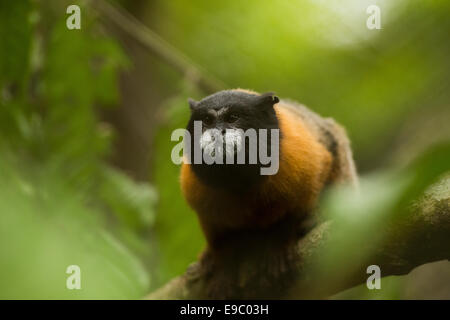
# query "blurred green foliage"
(178, 232)
(46, 227)
(61, 203)
(383, 198)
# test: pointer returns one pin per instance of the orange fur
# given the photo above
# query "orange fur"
(304, 168)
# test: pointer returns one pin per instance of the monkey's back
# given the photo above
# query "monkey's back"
(328, 133)
(332, 136)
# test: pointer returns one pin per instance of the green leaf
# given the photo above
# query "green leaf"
(132, 202)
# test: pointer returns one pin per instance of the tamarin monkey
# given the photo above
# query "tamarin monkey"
(251, 219)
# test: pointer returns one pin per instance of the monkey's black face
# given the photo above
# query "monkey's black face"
(229, 120)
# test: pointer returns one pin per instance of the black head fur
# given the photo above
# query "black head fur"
(232, 109)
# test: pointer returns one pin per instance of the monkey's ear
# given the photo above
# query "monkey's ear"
(192, 104)
(268, 98)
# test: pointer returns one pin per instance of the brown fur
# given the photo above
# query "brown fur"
(314, 152)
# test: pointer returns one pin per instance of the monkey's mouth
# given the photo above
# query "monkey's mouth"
(216, 144)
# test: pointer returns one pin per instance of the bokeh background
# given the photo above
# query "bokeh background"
(86, 117)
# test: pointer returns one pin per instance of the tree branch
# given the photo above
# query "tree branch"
(421, 236)
(413, 239)
(150, 40)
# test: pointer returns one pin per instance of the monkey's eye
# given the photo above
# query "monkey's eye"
(208, 120)
(232, 118)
